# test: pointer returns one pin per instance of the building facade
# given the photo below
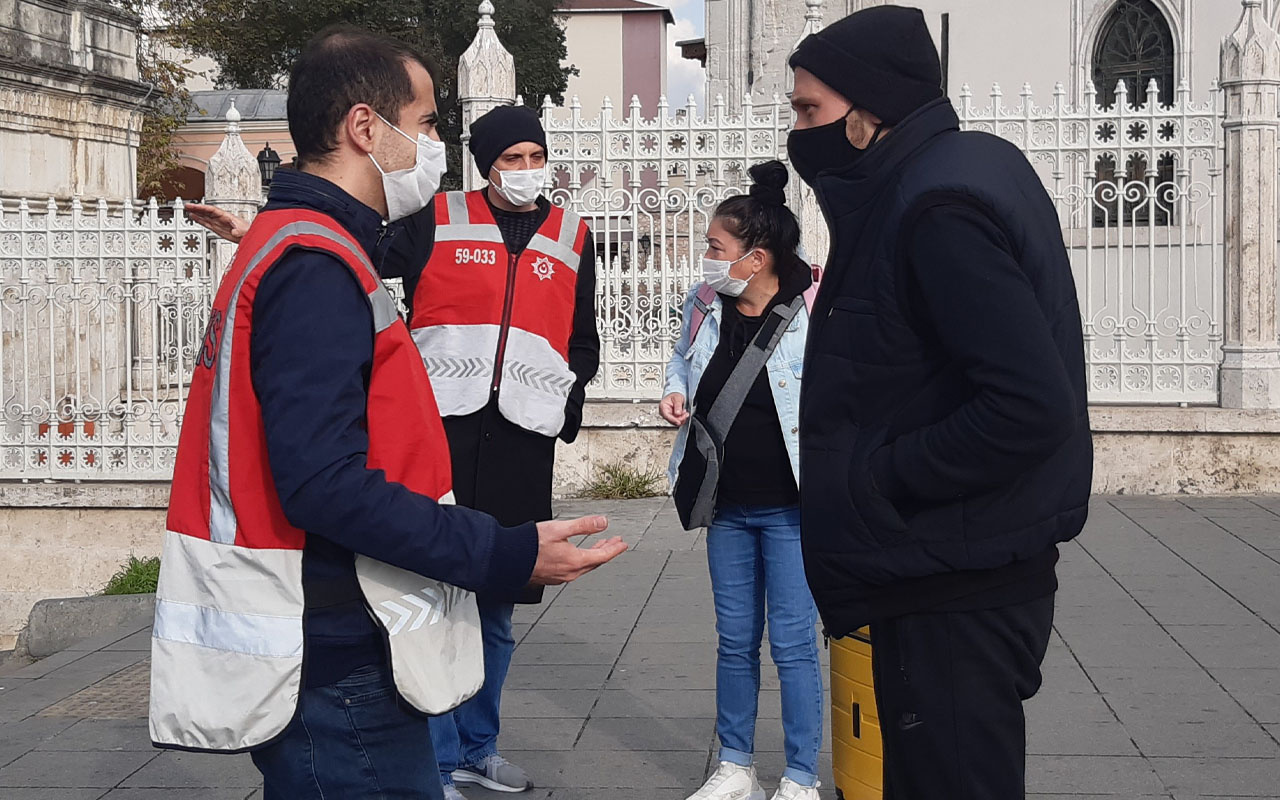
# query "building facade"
(619, 49)
(70, 100)
(995, 42)
(263, 125)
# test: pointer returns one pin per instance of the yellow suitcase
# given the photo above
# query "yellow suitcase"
(855, 725)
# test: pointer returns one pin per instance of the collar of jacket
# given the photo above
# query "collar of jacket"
(848, 189)
(291, 188)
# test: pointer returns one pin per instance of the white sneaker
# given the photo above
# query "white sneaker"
(790, 790)
(451, 792)
(730, 782)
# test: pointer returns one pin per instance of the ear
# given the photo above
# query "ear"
(759, 260)
(363, 128)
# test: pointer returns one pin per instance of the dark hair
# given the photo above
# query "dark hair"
(340, 67)
(761, 217)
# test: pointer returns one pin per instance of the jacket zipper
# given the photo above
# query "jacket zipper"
(505, 327)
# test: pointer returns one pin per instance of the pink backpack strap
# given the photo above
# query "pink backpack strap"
(701, 305)
(811, 293)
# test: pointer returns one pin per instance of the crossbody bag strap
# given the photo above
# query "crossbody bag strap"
(729, 402)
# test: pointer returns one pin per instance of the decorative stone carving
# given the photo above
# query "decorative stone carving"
(486, 79)
(233, 182)
(70, 100)
(749, 42)
(1250, 80)
(814, 237)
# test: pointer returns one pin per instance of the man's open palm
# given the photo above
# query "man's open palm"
(561, 561)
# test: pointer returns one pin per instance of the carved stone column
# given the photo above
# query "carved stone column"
(486, 79)
(814, 237)
(1250, 372)
(232, 183)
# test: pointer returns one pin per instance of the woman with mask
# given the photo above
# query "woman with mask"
(753, 542)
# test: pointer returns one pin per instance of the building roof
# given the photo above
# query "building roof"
(614, 6)
(253, 104)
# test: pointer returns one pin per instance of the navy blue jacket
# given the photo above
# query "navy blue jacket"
(943, 423)
(311, 356)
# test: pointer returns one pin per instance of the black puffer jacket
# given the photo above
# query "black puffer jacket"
(938, 435)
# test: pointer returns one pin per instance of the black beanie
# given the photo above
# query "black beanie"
(881, 59)
(501, 128)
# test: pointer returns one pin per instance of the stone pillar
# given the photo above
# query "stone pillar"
(1250, 372)
(814, 237)
(486, 79)
(233, 183)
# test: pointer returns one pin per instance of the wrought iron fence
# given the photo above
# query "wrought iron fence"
(1139, 192)
(648, 187)
(101, 314)
(102, 308)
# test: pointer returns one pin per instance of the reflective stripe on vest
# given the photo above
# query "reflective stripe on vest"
(227, 644)
(222, 520)
(462, 320)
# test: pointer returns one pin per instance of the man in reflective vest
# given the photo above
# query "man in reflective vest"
(504, 316)
(311, 452)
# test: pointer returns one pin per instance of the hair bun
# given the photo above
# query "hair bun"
(769, 183)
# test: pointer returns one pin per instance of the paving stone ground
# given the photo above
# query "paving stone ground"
(1162, 679)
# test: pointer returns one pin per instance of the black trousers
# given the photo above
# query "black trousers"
(949, 690)
(503, 470)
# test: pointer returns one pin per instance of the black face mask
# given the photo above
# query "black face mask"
(825, 147)
(814, 150)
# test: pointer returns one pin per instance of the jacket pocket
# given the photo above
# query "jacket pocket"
(854, 305)
(876, 510)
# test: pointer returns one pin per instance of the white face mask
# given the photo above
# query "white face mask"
(409, 190)
(520, 187)
(716, 274)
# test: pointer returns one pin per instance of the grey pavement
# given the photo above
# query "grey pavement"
(1162, 679)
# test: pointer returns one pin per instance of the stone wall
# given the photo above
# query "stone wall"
(69, 99)
(63, 540)
(66, 540)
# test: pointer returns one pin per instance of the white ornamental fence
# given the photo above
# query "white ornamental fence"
(648, 187)
(1139, 193)
(101, 314)
(102, 309)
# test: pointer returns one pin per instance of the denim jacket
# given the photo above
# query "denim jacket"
(785, 366)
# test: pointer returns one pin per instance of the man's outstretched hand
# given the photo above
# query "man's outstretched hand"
(223, 223)
(561, 561)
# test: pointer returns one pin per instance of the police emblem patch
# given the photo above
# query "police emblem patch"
(543, 269)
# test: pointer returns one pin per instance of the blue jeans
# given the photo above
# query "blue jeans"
(756, 564)
(469, 734)
(351, 740)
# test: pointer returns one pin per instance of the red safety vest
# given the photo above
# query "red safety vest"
(227, 645)
(487, 321)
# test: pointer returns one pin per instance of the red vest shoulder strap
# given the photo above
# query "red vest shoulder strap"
(275, 231)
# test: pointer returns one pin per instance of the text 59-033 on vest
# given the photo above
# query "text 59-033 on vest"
(481, 329)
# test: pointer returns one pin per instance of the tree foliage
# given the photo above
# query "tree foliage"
(254, 42)
(166, 106)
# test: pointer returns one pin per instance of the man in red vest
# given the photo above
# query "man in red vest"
(504, 316)
(313, 471)
(500, 284)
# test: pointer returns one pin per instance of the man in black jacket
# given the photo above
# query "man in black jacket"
(944, 437)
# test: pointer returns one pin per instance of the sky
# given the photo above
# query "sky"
(684, 77)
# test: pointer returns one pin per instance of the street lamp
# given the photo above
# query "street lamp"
(646, 244)
(268, 160)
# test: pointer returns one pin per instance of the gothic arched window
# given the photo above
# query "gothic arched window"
(1134, 45)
